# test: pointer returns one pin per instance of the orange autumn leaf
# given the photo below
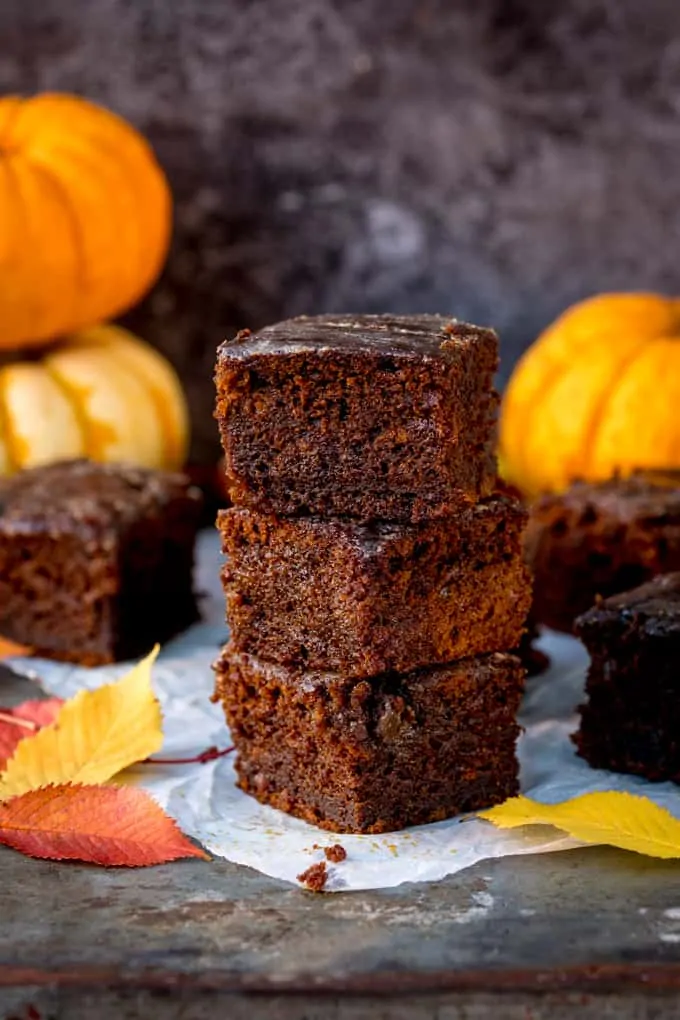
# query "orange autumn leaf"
(9, 649)
(115, 826)
(22, 721)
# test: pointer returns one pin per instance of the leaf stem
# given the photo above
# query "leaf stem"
(210, 754)
(16, 720)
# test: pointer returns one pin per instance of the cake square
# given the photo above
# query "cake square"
(599, 539)
(370, 417)
(337, 595)
(631, 720)
(96, 560)
(374, 755)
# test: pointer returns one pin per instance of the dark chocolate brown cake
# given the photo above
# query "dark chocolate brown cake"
(96, 560)
(374, 755)
(370, 417)
(599, 539)
(336, 595)
(631, 720)
(366, 551)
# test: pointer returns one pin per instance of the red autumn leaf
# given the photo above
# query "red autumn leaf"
(30, 716)
(109, 825)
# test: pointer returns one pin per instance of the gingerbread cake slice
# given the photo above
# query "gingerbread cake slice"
(336, 595)
(96, 560)
(369, 417)
(599, 539)
(374, 755)
(631, 720)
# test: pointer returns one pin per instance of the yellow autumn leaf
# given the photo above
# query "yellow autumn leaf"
(613, 818)
(95, 735)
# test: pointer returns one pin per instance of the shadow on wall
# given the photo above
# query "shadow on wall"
(494, 159)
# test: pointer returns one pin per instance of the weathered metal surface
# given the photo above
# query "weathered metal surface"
(593, 932)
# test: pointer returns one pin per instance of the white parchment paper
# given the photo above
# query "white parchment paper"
(208, 806)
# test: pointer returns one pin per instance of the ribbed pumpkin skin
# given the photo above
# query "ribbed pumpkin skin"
(101, 393)
(85, 217)
(597, 393)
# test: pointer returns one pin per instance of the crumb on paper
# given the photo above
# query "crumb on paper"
(335, 853)
(314, 877)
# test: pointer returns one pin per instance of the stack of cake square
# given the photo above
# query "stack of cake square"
(374, 577)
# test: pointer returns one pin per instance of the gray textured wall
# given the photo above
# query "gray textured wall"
(495, 159)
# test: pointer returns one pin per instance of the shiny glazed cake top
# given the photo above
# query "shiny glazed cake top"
(653, 608)
(420, 336)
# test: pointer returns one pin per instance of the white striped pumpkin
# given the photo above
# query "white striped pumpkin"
(101, 393)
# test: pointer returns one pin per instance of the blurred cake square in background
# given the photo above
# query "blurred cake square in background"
(597, 539)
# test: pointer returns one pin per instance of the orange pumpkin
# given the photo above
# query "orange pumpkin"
(597, 393)
(85, 216)
(102, 393)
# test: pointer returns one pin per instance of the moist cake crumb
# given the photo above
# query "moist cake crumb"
(314, 877)
(335, 853)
